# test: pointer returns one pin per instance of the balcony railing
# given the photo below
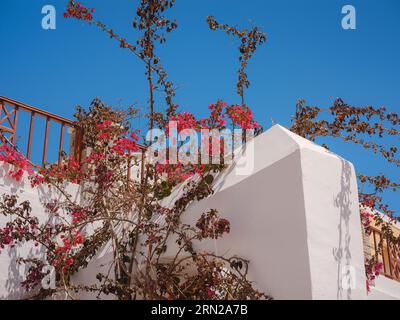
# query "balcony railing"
(66, 138)
(386, 253)
(17, 123)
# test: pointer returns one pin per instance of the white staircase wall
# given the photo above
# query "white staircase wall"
(296, 219)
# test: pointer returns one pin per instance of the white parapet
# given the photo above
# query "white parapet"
(295, 217)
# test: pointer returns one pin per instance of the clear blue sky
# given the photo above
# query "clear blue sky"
(307, 55)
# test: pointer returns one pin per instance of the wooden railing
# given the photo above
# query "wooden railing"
(15, 131)
(386, 253)
(12, 128)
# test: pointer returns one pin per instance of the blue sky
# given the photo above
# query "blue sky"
(307, 55)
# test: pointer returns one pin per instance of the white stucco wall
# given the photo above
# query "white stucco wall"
(294, 216)
(12, 274)
(385, 289)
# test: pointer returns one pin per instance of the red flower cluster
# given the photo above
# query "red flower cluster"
(95, 157)
(12, 233)
(368, 201)
(37, 180)
(76, 10)
(76, 217)
(20, 163)
(184, 120)
(6, 237)
(125, 144)
(217, 117)
(106, 131)
(242, 116)
(79, 214)
(70, 170)
(178, 173)
(366, 218)
(210, 292)
(373, 269)
(64, 254)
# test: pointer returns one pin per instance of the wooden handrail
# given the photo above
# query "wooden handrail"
(37, 111)
(391, 263)
(12, 108)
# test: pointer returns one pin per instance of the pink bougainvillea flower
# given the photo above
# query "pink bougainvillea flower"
(21, 164)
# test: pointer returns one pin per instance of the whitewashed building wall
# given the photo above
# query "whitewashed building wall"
(295, 217)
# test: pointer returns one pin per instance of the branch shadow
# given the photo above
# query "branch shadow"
(342, 253)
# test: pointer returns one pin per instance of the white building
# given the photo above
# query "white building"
(295, 217)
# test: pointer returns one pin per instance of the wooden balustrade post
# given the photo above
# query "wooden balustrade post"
(28, 151)
(60, 148)
(15, 124)
(46, 136)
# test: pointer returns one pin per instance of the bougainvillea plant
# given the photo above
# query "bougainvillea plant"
(124, 211)
(362, 126)
(249, 41)
(12, 156)
(129, 213)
